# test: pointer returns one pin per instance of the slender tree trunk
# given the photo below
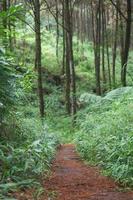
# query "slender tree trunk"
(97, 41)
(72, 67)
(87, 24)
(115, 47)
(103, 44)
(121, 42)
(70, 70)
(107, 51)
(10, 29)
(78, 30)
(64, 38)
(38, 56)
(68, 78)
(4, 6)
(126, 43)
(57, 31)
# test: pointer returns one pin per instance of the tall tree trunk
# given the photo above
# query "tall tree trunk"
(115, 46)
(64, 39)
(9, 28)
(97, 41)
(103, 43)
(57, 30)
(68, 78)
(127, 43)
(72, 67)
(4, 7)
(38, 56)
(107, 50)
(121, 42)
(70, 70)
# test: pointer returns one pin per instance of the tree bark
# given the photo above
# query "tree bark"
(103, 43)
(115, 47)
(126, 43)
(57, 30)
(70, 70)
(96, 24)
(38, 55)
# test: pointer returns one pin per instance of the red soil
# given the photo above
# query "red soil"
(71, 179)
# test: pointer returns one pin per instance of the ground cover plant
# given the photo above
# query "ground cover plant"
(106, 134)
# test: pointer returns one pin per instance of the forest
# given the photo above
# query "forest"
(66, 100)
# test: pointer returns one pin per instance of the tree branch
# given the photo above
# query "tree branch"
(119, 10)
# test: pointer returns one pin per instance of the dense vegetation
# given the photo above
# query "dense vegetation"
(106, 133)
(64, 77)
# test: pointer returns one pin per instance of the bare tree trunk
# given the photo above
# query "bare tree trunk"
(4, 8)
(115, 47)
(57, 31)
(72, 67)
(103, 43)
(38, 55)
(107, 51)
(70, 70)
(68, 78)
(126, 43)
(9, 28)
(121, 42)
(96, 24)
(64, 38)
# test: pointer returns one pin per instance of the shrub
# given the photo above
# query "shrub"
(106, 136)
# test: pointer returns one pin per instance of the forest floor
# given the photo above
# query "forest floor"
(72, 179)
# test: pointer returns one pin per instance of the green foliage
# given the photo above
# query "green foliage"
(106, 136)
(12, 14)
(22, 164)
(87, 99)
(117, 93)
(27, 80)
(6, 84)
(32, 158)
(57, 119)
(26, 147)
(84, 66)
(49, 60)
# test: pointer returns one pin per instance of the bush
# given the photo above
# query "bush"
(88, 99)
(6, 84)
(26, 149)
(106, 136)
(118, 93)
(26, 162)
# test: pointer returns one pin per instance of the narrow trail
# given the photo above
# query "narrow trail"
(71, 179)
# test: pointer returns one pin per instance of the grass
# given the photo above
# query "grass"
(106, 135)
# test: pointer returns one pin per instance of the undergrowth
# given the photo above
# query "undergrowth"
(106, 134)
(27, 146)
(25, 157)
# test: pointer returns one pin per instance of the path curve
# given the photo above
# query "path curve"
(71, 179)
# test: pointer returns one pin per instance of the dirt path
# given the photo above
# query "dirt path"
(71, 179)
